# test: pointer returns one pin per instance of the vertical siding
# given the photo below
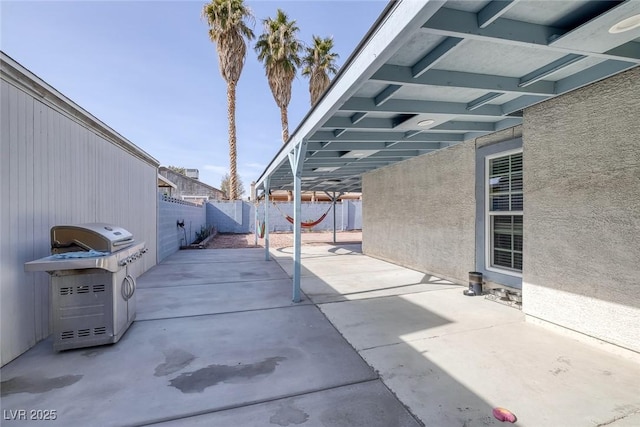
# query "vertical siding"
(56, 170)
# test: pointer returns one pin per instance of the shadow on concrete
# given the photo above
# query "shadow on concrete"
(208, 348)
(451, 359)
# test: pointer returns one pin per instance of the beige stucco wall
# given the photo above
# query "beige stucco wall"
(582, 210)
(420, 213)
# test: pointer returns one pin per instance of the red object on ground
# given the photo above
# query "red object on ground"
(503, 415)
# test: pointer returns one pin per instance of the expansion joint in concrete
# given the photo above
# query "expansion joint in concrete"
(253, 310)
(253, 403)
(618, 418)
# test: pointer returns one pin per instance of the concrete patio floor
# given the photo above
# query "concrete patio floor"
(217, 342)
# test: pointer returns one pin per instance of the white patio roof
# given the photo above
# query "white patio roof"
(430, 74)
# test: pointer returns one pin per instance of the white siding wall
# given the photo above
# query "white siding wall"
(57, 169)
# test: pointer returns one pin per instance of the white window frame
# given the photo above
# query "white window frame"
(488, 214)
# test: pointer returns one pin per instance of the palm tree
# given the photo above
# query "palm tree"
(317, 64)
(279, 50)
(228, 29)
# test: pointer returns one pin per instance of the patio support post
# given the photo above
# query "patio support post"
(256, 205)
(334, 199)
(296, 160)
(266, 218)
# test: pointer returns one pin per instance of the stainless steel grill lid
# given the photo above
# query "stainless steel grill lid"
(85, 237)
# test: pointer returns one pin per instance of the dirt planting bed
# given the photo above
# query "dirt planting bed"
(282, 240)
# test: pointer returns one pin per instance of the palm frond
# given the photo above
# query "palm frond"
(279, 49)
(318, 63)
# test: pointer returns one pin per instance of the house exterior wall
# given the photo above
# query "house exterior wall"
(582, 210)
(432, 226)
(581, 156)
(190, 186)
(59, 165)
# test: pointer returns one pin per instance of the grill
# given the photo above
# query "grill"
(93, 269)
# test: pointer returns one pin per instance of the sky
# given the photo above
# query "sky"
(148, 70)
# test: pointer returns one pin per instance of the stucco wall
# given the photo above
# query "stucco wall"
(582, 210)
(431, 227)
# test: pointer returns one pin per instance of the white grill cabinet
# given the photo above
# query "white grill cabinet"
(93, 269)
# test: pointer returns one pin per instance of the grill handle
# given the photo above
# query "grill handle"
(128, 287)
(123, 242)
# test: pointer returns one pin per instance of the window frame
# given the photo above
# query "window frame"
(489, 214)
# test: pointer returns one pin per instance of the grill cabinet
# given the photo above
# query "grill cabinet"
(92, 297)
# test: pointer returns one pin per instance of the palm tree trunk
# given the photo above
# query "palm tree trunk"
(231, 116)
(285, 137)
(285, 124)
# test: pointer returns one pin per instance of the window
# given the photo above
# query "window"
(504, 212)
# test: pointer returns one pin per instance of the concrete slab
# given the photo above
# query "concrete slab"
(178, 367)
(196, 300)
(632, 420)
(215, 255)
(368, 404)
(543, 378)
(319, 250)
(405, 318)
(181, 274)
(315, 263)
(362, 285)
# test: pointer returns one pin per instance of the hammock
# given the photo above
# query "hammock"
(302, 223)
(260, 226)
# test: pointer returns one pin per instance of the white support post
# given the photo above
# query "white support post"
(256, 205)
(296, 160)
(334, 198)
(266, 218)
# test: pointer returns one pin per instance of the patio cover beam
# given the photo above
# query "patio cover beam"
(320, 147)
(457, 23)
(493, 11)
(366, 137)
(408, 106)
(402, 75)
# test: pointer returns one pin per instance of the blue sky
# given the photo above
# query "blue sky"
(148, 70)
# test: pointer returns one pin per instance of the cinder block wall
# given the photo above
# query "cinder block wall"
(582, 210)
(420, 213)
(239, 216)
(170, 236)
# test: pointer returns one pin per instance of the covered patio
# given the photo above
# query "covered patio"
(218, 342)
